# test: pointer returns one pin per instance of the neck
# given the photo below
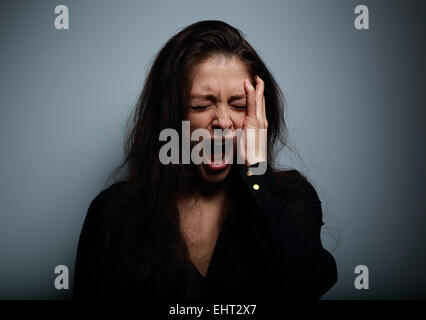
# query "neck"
(210, 203)
(213, 196)
(206, 199)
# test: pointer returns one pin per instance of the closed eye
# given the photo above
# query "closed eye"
(199, 108)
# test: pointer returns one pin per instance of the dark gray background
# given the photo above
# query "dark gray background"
(355, 113)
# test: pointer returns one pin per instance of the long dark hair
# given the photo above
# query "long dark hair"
(150, 220)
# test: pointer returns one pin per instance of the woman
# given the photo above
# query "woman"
(212, 231)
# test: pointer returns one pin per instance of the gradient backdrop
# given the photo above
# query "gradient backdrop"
(355, 102)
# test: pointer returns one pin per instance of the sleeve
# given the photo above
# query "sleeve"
(305, 268)
(90, 259)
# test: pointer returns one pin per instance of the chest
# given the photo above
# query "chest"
(201, 245)
(200, 233)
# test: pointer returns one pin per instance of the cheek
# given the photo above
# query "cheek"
(238, 120)
(198, 121)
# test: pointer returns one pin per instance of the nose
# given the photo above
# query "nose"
(222, 120)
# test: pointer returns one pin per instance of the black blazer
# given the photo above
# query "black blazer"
(269, 247)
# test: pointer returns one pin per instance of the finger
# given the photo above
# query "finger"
(259, 96)
(264, 111)
(251, 99)
(250, 144)
(241, 155)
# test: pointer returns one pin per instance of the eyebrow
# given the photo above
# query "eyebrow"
(213, 98)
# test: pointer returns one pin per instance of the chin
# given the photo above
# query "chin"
(214, 176)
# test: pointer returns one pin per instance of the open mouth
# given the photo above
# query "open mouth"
(218, 153)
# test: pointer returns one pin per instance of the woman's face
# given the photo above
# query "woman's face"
(218, 101)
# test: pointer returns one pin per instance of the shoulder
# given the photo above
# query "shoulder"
(295, 184)
(302, 201)
(101, 206)
(110, 193)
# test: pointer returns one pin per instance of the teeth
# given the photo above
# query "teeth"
(217, 147)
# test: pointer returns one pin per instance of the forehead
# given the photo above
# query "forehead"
(219, 75)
